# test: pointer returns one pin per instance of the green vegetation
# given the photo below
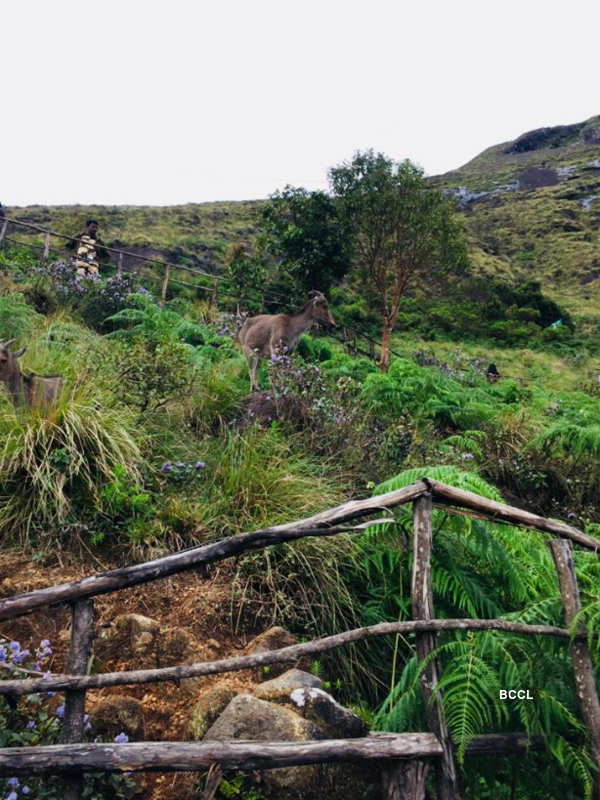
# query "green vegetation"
(400, 230)
(155, 444)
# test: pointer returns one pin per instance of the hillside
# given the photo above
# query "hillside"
(156, 442)
(532, 207)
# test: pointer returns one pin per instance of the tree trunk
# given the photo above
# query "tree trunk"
(385, 345)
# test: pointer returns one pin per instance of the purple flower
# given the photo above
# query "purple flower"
(45, 643)
(2, 653)
(166, 467)
(50, 694)
(275, 359)
(180, 464)
(200, 465)
(467, 456)
(15, 647)
(30, 725)
(60, 710)
(13, 783)
(25, 790)
(122, 738)
(11, 796)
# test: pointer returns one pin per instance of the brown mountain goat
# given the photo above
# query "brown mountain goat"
(270, 335)
(34, 390)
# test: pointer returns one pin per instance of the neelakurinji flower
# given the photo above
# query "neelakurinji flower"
(122, 738)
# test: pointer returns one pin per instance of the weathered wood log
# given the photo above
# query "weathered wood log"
(320, 524)
(422, 608)
(46, 253)
(82, 635)
(404, 780)
(165, 284)
(184, 756)
(505, 513)
(583, 668)
(283, 655)
(180, 756)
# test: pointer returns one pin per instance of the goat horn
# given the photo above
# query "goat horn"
(8, 343)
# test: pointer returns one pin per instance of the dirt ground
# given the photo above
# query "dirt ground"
(198, 603)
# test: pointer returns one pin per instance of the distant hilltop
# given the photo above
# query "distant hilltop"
(531, 208)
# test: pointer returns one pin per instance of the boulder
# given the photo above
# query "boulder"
(208, 708)
(334, 720)
(272, 639)
(248, 717)
(117, 714)
(281, 687)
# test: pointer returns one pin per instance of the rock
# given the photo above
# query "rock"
(321, 708)
(272, 639)
(131, 638)
(536, 177)
(118, 713)
(208, 708)
(248, 717)
(284, 685)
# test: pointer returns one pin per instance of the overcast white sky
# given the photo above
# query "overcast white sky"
(122, 101)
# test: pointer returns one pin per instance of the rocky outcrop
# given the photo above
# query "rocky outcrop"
(545, 137)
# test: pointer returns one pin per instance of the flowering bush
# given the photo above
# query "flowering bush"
(37, 720)
(93, 297)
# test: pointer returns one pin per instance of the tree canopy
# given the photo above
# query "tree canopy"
(304, 230)
(400, 230)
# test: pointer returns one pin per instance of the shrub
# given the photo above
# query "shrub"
(37, 719)
(51, 461)
(17, 318)
(151, 374)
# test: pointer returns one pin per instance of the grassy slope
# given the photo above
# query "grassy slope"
(541, 233)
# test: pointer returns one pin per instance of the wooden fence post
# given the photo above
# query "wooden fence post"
(165, 285)
(82, 635)
(422, 608)
(120, 265)
(562, 553)
(3, 231)
(404, 780)
(46, 246)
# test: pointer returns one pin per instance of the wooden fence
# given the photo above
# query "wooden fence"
(355, 341)
(404, 757)
(120, 257)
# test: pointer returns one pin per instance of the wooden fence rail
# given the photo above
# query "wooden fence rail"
(73, 759)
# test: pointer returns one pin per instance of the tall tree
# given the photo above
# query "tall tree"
(304, 231)
(401, 231)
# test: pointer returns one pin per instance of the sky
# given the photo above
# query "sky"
(160, 103)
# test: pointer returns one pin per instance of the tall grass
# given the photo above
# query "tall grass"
(51, 461)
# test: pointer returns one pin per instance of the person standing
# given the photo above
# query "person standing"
(89, 251)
